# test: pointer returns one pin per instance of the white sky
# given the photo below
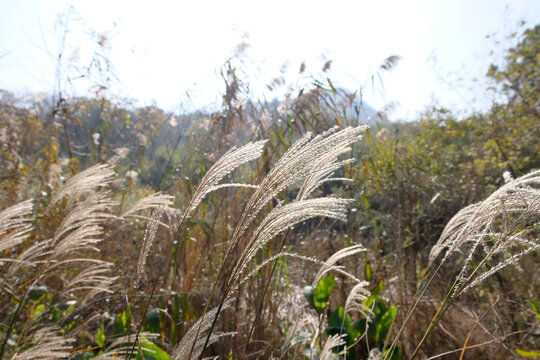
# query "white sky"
(163, 49)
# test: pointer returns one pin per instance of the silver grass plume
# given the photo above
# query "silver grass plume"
(332, 260)
(450, 235)
(505, 224)
(152, 201)
(31, 256)
(85, 182)
(81, 228)
(307, 323)
(92, 278)
(46, 345)
(323, 169)
(233, 158)
(299, 162)
(337, 269)
(197, 337)
(83, 237)
(88, 212)
(15, 224)
(283, 217)
(332, 342)
(149, 235)
(354, 300)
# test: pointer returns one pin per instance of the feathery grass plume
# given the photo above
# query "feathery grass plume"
(506, 224)
(15, 224)
(195, 337)
(338, 269)
(83, 237)
(85, 182)
(332, 342)
(149, 235)
(92, 278)
(88, 212)
(332, 260)
(32, 256)
(323, 168)
(354, 300)
(233, 158)
(45, 344)
(153, 201)
(295, 165)
(449, 236)
(81, 228)
(282, 218)
(389, 63)
(308, 323)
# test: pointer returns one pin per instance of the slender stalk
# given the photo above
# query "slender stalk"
(175, 238)
(11, 325)
(259, 308)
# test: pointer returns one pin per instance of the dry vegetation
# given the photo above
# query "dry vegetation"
(272, 230)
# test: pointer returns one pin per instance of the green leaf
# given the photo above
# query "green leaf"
(152, 320)
(151, 351)
(176, 319)
(37, 292)
(311, 353)
(384, 325)
(369, 274)
(318, 296)
(397, 355)
(528, 354)
(374, 295)
(341, 323)
(121, 323)
(100, 336)
(534, 306)
(373, 167)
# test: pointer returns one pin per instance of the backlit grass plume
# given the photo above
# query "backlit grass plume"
(221, 168)
(504, 226)
(85, 182)
(15, 224)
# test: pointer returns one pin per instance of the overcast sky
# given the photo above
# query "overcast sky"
(163, 50)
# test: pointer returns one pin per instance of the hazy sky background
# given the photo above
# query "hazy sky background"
(162, 50)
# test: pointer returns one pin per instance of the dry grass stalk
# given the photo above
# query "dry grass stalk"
(149, 235)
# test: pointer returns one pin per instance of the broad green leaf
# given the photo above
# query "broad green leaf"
(385, 323)
(318, 296)
(341, 323)
(374, 295)
(151, 351)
